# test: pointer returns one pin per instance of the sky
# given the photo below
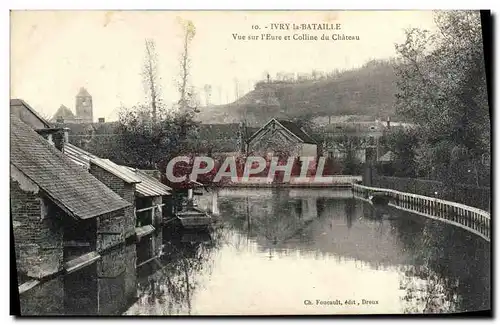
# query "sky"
(54, 53)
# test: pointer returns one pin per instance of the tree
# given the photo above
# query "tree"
(236, 89)
(149, 134)
(150, 76)
(186, 92)
(146, 143)
(349, 146)
(403, 143)
(442, 88)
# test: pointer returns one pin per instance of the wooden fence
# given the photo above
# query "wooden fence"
(472, 219)
(474, 196)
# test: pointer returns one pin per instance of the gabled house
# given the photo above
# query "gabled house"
(281, 137)
(146, 194)
(62, 216)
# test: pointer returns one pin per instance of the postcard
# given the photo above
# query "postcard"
(246, 163)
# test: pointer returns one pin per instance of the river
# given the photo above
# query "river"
(287, 251)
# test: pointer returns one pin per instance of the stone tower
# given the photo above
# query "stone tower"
(84, 111)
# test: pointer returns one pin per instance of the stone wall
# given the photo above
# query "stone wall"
(157, 242)
(44, 299)
(274, 142)
(130, 258)
(111, 270)
(112, 264)
(81, 292)
(38, 234)
(124, 190)
(110, 230)
(129, 196)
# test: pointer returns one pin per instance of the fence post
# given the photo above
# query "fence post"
(368, 175)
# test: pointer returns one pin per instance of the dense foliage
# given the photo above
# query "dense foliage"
(442, 88)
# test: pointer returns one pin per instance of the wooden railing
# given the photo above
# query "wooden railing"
(472, 219)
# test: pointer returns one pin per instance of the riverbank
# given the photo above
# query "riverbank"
(337, 181)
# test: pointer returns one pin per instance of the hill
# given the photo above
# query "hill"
(368, 91)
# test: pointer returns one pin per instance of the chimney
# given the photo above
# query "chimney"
(58, 139)
(101, 120)
(388, 122)
(66, 135)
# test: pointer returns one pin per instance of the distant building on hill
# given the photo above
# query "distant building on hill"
(64, 115)
(362, 138)
(83, 108)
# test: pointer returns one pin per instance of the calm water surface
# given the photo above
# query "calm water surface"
(290, 251)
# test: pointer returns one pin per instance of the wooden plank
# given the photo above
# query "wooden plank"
(144, 230)
(81, 261)
(146, 261)
(150, 208)
(28, 285)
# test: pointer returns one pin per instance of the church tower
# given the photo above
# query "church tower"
(84, 111)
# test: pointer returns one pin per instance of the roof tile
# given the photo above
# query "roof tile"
(68, 185)
(145, 185)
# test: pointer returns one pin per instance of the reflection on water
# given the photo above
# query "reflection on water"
(274, 251)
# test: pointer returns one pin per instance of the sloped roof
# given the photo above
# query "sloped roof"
(145, 185)
(117, 170)
(83, 93)
(19, 102)
(84, 158)
(78, 155)
(149, 186)
(74, 190)
(294, 128)
(291, 127)
(63, 112)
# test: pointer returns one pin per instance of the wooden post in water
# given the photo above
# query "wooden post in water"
(215, 206)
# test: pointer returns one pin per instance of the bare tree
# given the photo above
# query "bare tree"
(189, 31)
(236, 89)
(150, 77)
